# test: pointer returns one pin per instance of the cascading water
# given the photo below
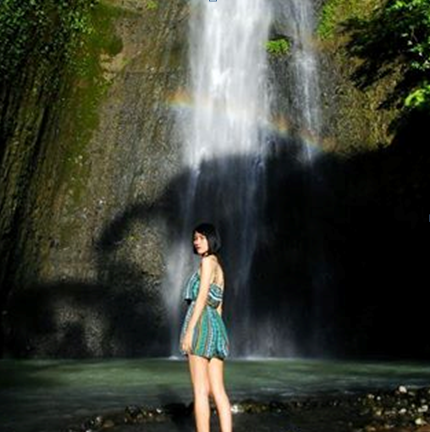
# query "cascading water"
(224, 151)
(299, 19)
(224, 140)
(298, 16)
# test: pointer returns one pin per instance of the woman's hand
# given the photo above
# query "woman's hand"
(187, 341)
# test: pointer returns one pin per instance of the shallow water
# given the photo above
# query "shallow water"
(49, 395)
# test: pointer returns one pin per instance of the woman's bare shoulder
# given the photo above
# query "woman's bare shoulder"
(208, 262)
(212, 259)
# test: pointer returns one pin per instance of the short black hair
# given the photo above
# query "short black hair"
(212, 236)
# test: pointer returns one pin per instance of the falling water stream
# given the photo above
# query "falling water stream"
(225, 143)
(223, 140)
(299, 18)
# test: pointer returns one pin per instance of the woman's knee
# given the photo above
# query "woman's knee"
(201, 390)
(216, 378)
(218, 392)
(202, 387)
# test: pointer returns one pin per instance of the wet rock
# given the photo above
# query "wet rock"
(402, 408)
(276, 406)
(133, 413)
(394, 410)
(108, 424)
(237, 408)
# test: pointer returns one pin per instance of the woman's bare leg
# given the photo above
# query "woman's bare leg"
(222, 402)
(201, 388)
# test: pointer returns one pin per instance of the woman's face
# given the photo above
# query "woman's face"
(200, 243)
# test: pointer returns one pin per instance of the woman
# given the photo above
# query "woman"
(203, 336)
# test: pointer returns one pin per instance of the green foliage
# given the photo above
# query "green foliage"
(412, 30)
(151, 5)
(335, 11)
(419, 98)
(414, 44)
(328, 19)
(396, 36)
(41, 34)
(83, 101)
(54, 49)
(278, 47)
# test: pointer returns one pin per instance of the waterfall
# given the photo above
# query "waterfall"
(225, 142)
(299, 19)
(223, 138)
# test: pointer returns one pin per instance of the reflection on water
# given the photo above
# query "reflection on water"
(48, 395)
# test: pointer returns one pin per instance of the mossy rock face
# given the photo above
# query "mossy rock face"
(89, 173)
(354, 118)
(107, 152)
(131, 153)
(80, 320)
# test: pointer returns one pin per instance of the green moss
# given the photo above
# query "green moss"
(278, 47)
(103, 38)
(44, 34)
(328, 19)
(89, 88)
(151, 5)
(336, 12)
(56, 46)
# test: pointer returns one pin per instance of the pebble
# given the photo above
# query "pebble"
(399, 410)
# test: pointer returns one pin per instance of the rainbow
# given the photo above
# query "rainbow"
(279, 125)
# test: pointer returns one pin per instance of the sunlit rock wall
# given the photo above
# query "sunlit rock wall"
(97, 250)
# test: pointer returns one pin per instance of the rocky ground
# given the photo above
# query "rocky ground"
(399, 410)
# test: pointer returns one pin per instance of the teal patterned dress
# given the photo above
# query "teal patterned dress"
(210, 335)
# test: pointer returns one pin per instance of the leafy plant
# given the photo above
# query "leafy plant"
(413, 29)
(41, 33)
(151, 5)
(278, 47)
(419, 98)
(396, 38)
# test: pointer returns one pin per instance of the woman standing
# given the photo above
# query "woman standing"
(203, 336)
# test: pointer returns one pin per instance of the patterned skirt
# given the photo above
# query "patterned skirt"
(210, 337)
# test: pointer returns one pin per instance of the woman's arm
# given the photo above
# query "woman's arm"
(206, 271)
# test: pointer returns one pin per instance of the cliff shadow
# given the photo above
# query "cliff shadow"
(337, 269)
(358, 241)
